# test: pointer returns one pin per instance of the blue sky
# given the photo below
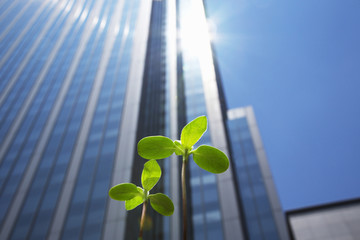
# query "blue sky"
(298, 64)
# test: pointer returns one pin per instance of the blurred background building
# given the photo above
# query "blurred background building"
(81, 82)
(334, 221)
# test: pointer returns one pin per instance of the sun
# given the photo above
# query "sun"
(195, 35)
(195, 40)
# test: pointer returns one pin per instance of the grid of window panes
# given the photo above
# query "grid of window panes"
(259, 220)
(12, 15)
(14, 163)
(205, 209)
(152, 121)
(157, 101)
(55, 159)
(37, 211)
(17, 16)
(20, 89)
(88, 205)
(167, 126)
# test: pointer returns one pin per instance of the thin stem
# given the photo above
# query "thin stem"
(183, 186)
(142, 221)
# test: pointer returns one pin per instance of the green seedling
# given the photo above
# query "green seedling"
(206, 157)
(134, 196)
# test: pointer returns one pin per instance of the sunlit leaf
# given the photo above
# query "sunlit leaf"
(133, 203)
(179, 150)
(136, 201)
(211, 159)
(124, 191)
(162, 204)
(150, 175)
(156, 147)
(193, 131)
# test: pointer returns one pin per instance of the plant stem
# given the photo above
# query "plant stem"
(142, 221)
(183, 187)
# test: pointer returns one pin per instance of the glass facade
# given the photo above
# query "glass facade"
(13, 164)
(152, 121)
(81, 82)
(259, 219)
(206, 218)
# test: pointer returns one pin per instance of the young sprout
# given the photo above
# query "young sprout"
(134, 196)
(208, 158)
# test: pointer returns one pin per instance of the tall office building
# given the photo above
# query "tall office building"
(81, 81)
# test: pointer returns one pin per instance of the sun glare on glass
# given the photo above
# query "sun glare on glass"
(195, 38)
(196, 32)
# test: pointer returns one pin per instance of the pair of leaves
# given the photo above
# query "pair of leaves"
(208, 158)
(158, 147)
(134, 196)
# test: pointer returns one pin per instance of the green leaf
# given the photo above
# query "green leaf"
(136, 201)
(162, 204)
(123, 192)
(133, 203)
(211, 159)
(193, 131)
(179, 150)
(150, 175)
(156, 147)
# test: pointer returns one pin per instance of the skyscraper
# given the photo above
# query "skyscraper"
(81, 82)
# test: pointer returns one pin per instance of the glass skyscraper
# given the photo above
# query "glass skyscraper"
(81, 81)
